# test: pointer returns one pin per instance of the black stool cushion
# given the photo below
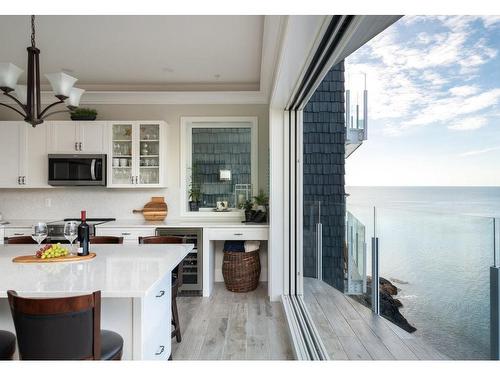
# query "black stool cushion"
(111, 345)
(7, 345)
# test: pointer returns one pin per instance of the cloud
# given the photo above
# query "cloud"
(470, 123)
(424, 70)
(479, 152)
(491, 21)
(465, 90)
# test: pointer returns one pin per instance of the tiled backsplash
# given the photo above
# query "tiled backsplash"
(68, 202)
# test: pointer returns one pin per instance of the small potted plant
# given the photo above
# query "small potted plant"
(194, 198)
(83, 114)
(248, 206)
(262, 201)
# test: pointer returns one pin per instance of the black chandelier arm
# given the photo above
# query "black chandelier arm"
(53, 113)
(50, 106)
(14, 109)
(16, 100)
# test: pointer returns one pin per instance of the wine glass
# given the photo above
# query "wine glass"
(71, 232)
(39, 232)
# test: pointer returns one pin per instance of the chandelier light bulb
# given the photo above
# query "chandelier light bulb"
(9, 75)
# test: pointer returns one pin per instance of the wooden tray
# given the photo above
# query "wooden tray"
(67, 258)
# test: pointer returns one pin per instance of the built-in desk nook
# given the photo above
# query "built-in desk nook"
(208, 237)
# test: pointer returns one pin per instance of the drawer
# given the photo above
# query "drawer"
(243, 234)
(130, 235)
(17, 231)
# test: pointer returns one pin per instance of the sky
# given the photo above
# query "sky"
(433, 103)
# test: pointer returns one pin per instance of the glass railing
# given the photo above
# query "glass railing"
(434, 274)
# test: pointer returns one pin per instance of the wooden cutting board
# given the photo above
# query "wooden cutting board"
(156, 210)
(67, 258)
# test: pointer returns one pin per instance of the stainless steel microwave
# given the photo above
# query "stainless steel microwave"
(77, 169)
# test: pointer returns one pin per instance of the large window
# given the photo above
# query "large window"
(219, 164)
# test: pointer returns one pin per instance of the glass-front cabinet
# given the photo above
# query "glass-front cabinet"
(138, 154)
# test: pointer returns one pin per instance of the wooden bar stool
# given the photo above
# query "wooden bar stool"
(7, 345)
(21, 240)
(106, 240)
(67, 328)
(176, 279)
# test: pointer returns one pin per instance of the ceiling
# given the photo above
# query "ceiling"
(143, 53)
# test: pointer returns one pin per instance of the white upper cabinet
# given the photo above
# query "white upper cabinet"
(10, 142)
(34, 160)
(68, 137)
(91, 137)
(24, 155)
(136, 155)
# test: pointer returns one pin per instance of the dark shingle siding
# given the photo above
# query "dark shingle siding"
(324, 170)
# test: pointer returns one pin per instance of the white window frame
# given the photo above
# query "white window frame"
(187, 125)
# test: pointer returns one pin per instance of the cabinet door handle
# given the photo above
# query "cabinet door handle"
(126, 234)
(19, 180)
(238, 234)
(161, 350)
(80, 146)
(161, 294)
(23, 180)
(136, 179)
(76, 146)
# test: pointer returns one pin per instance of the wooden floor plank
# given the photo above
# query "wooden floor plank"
(235, 345)
(232, 326)
(362, 334)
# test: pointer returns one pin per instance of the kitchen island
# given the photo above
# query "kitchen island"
(135, 285)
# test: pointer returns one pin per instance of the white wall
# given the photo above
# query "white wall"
(119, 203)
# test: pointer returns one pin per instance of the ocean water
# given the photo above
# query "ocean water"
(436, 246)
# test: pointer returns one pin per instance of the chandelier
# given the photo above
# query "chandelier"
(27, 97)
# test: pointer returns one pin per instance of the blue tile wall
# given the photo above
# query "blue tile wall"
(324, 170)
(214, 149)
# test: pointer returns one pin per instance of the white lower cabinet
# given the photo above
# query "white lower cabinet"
(17, 231)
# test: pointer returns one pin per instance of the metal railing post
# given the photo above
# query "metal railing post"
(375, 267)
(375, 277)
(495, 295)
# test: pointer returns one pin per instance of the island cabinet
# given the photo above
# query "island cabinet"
(24, 155)
(137, 154)
(135, 283)
(154, 309)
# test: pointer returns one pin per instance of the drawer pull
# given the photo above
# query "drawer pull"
(161, 294)
(238, 234)
(18, 234)
(162, 349)
(126, 234)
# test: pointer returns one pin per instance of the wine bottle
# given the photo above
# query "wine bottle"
(83, 235)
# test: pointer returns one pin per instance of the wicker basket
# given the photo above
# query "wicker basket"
(241, 271)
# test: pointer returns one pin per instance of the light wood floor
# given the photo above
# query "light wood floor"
(350, 330)
(232, 326)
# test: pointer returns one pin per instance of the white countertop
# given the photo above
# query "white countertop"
(22, 223)
(117, 271)
(176, 223)
(141, 223)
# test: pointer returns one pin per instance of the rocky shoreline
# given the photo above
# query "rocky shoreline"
(389, 306)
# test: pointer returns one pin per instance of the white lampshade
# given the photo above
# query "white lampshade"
(9, 74)
(21, 93)
(61, 83)
(74, 97)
